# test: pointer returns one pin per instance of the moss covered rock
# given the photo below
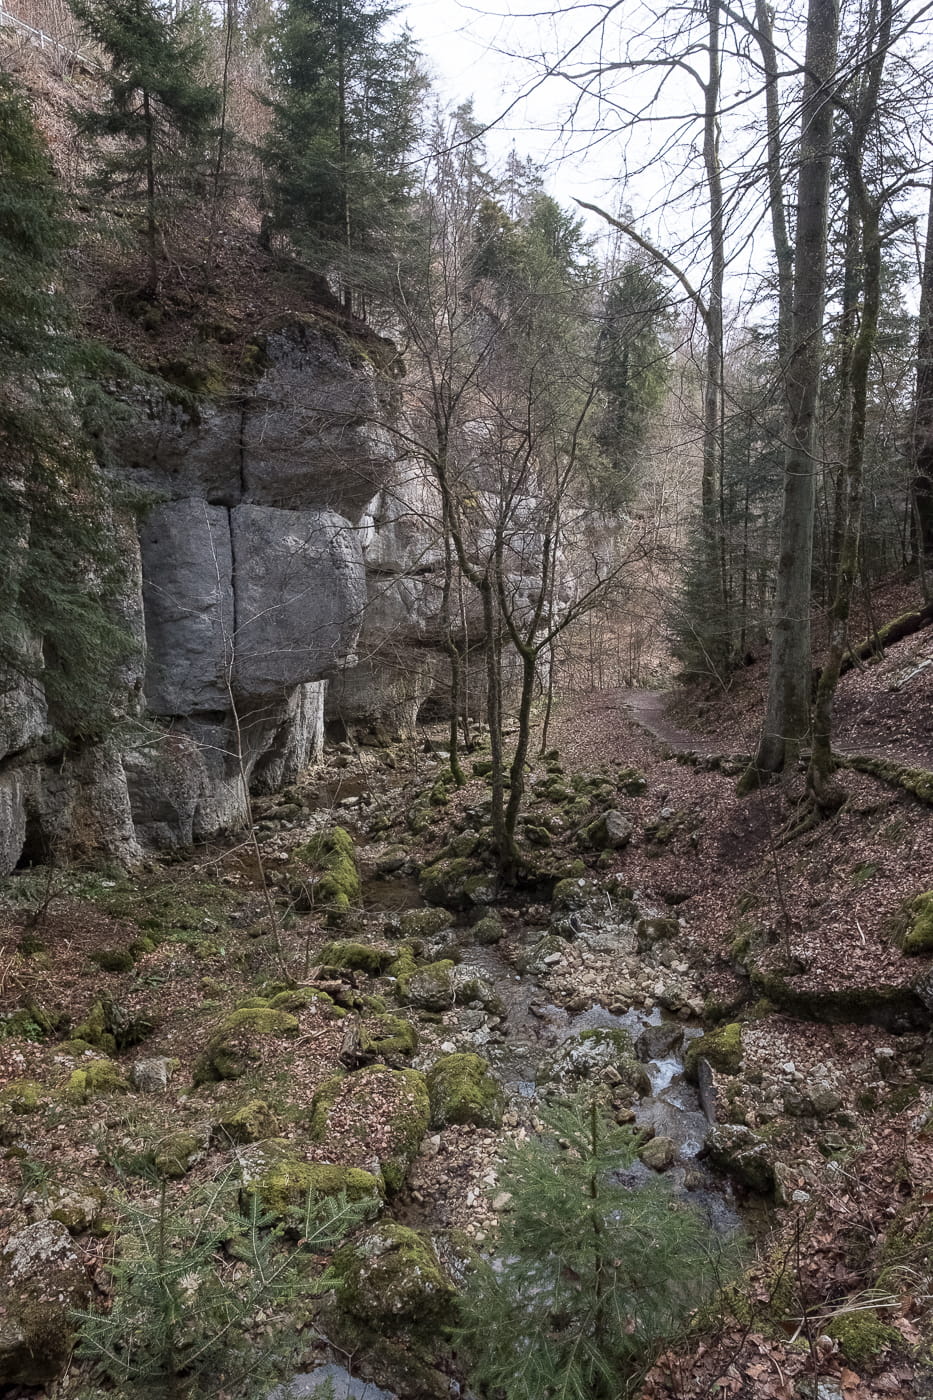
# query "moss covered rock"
(253, 1122)
(918, 934)
(114, 959)
(331, 857)
(487, 930)
(109, 1027)
(42, 1280)
(358, 957)
(296, 999)
(420, 923)
(393, 1280)
(22, 1095)
(284, 1188)
(736, 1149)
(458, 883)
(862, 1336)
(463, 1090)
(430, 987)
(722, 1048)
(232, 1048)
(176, 1153)
(95, 1078)
(374, 1116)
(388, 1038)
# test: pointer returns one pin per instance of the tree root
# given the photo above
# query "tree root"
(917, 781)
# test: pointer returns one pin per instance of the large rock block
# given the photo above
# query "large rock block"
(188, 597)
(23, 711)
(296, 742)
(316, 433)
(300, 588)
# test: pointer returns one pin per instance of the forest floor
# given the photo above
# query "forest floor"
(785, 951)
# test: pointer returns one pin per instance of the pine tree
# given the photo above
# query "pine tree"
(59, 568)
(152, 135)
(344, 118)
(591, 1276)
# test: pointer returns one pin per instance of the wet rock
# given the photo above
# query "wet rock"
(659, 1153)
(431, 987)
(658, 1042)
(470, 985)
(595, 1052)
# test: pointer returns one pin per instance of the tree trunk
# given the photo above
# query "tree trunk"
(922, 484)
(787, 720)
(152, 231)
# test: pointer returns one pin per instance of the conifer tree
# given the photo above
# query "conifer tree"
(58, 565)
(591, 1276)
(153, 133)
(344, 118)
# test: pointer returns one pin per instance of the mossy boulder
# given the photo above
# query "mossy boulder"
(487, 930)
(918, 933)
(176, 1153)
(374, 1115)
(458, 883)
(358, 957)
(283, 1187)
(883, 1004)
(95, 1078)
(78, 1204)
(609, 832)
(388, 1038)
(295, 999)
(252, 1122)
(42, 1281)
(114, 959)
(330, 856)
(572, 894)
(430, 986)
(722, 1048)
(463, 1090)
(110, 1027)
(420, 923)
(862, 1336)
(734, 1148)
(233, 1046)
(393, 1280)
(22, 1096)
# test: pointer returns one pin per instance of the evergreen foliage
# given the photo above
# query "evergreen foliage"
(59, 567)
(591, 1275)
(152, 135)
(345, 115)
(205, 1301)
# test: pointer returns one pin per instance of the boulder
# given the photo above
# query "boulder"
(597, 1053)
(462, 1090)
(284, 1188)
(374, 1118)
(42, 1280)
(152, 1076)
(393, 1279)
(736, 1149)
(236, 1042)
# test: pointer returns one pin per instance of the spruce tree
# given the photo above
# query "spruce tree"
(59, 568)
(591, 1276)
(152, 135)
(345, 114)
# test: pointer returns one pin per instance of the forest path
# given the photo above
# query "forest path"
(648, 708)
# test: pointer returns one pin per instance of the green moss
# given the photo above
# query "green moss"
(332, 853)
(22, 1095)
(917, 781)
(97, 1077)
(176, 1153)
(388, 1037)
(360, 957)
(463, 1090)
(28, 1023)
(231, 1048)
(862, 1336)
(428, 985)
(487, 930)
(287, 1186)
(722, 1048)
(918, 938)
(444, 882)
(392, 1279)
(880, 1005)
(253, 1122)
(114, 959)
(631, 781)
(300, 998)
(421, 923)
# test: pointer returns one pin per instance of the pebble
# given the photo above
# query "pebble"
(502, 1201)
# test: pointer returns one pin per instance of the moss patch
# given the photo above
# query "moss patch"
(462, 1090)
(98, 1077)
(393, 1280)
(232, 1049)
(285, 1186)
(332, 854)
(254, 1122)
(359, 957)
(388, 1038)
(862, 1335)
(722, 1048)
(918, 936)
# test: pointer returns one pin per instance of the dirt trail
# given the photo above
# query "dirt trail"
(649, 709)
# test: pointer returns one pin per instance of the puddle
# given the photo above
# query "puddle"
(331, 1381)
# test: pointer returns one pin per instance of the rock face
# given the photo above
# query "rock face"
(288, 560)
